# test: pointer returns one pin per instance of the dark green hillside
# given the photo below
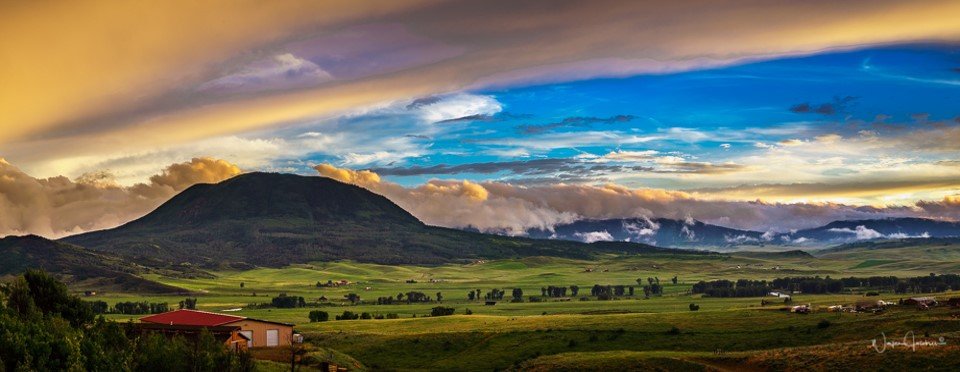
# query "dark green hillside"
(268, 219)
(72, 263)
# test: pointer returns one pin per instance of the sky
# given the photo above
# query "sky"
(497, 115)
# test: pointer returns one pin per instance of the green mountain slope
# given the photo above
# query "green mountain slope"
(73, 264)
(267, 219)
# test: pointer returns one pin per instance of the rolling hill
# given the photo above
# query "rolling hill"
(269, 219)
(73, 264)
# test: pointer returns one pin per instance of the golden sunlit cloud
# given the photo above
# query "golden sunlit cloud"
(57, 206)
(81, 77)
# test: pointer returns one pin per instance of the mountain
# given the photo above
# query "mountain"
(888, 228)
(269, 219)
(676, 233)
(73, 264)
(660, 231)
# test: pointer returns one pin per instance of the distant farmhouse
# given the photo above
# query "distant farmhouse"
(228, 328)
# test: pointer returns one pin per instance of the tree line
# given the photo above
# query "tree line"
(129, 307)
(823, 285)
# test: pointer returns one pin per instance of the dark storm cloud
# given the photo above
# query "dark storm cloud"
(575, 121)
(838, 105)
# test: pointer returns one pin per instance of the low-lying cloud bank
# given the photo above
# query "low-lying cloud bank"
(58, 206)
(513, 209)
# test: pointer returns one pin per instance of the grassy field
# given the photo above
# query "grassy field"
(629, 333)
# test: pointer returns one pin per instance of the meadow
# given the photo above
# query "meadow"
(631, 332)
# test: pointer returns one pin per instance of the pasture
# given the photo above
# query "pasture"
(631, 332)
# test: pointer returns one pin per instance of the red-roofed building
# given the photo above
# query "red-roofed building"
(258, 332)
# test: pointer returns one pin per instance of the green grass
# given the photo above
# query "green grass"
(629, 333)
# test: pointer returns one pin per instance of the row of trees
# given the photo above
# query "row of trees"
(408, 298)
(129, 307)
(726, 288)
(821, 285)
(45, 328)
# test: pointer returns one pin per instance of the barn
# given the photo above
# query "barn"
(258, 333)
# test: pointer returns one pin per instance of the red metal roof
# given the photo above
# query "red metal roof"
(191, 317)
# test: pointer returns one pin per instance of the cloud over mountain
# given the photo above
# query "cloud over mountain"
(59, 206)
(498, 206)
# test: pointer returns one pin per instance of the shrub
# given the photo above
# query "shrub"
(694, 307)
(393, 316)
(674, 331)
(823, 324)
(366, 315)
(319, 316)
(441, 311)
(468, 311)
(348, 315)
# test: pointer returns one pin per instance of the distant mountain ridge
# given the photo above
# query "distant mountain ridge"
(270, 219)
(695, 234)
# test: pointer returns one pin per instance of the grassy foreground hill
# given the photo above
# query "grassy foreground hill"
(267, 219)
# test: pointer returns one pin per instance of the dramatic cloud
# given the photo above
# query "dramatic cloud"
(949, 207)
(72, 87)
(503, 207)
(57, 206)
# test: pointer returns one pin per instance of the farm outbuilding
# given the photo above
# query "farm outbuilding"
(258, 333)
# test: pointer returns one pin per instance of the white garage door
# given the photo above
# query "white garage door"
(273, 337)
(249, 335)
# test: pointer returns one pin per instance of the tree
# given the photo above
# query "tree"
(189, 303)
(574, 290)
(286, 302)
(471, 295)
(50, 296)
(352, 297)
(674, 280)
(631, 290)
(241, 284)
(319, 316)
(400, 296)
(439, 297)
(517, 295)
(348, 315)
